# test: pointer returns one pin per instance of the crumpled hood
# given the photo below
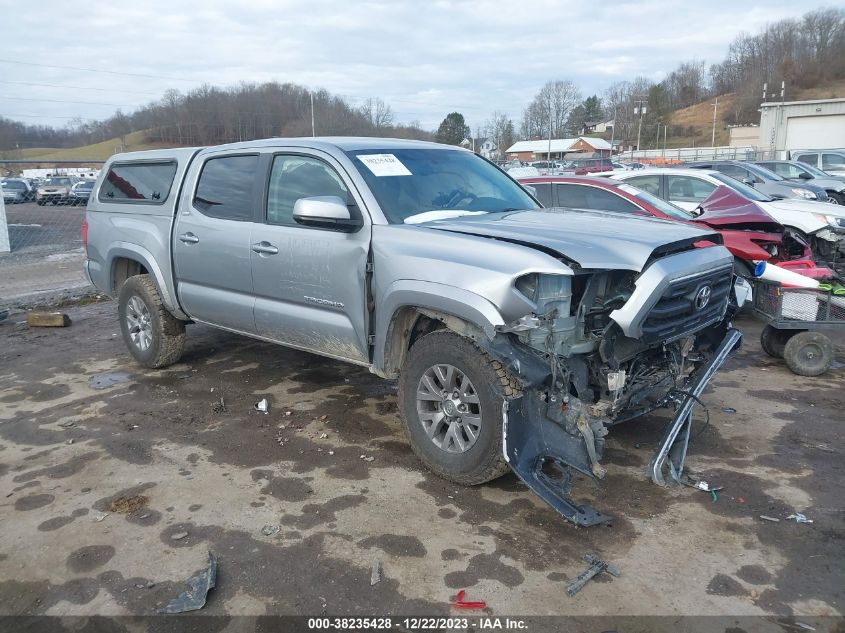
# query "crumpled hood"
(725, 207)
(592, 239)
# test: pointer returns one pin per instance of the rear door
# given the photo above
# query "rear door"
(311, 283)
(211, 242)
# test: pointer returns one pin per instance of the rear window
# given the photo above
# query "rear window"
(226, 187)
(141, 182)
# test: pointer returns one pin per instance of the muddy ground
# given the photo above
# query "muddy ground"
(116, 482)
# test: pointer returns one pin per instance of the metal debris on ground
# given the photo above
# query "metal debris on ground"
(367, 459)
(700, 484)
(47, 319)
(70, 441)
(799, 518)
(262, 405)
(99, 516)
(767, 518)
(596, 567)
(270, 530)
(67, 425)
(376, 572)
(178, 536)
(729, 410)
(460, 603)
(195, 597)
(323, 436)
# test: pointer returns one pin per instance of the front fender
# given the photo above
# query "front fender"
(457, 302)
(144, 257)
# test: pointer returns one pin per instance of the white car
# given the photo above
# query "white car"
(822, 224)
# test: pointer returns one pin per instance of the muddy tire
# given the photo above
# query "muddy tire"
(808, 354)
(773, 341)
(467, 454)
(154, 336)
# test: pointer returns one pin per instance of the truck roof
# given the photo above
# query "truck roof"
(344, 143)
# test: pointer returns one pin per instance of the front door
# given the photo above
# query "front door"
(212, 243)
(311, 283)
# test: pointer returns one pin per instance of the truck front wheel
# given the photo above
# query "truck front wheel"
(450, 397)
(154, 336)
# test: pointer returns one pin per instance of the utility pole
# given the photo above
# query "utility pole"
(665, 131)
(313, 133)
(549, 157)
(613, 131)
(657, 140)
(713, 137)
(640, 109)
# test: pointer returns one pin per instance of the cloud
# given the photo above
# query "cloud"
(424, 58)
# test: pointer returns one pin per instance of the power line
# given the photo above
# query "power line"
(30, 83)
(115, 105)
(96, 70)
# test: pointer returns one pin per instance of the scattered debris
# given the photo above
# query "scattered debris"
(178, 536)
(323, 436)
(219, 406)
(741, 499)
(331, 452)
(323, 418)
(126, 505)
(714, 495)
(195, 597)
(131, 427)
(799, 518)
(67, 424)
(804, 626)
(367, 459)
(4, 314)
(460, 603)
(288, 413)
(700, 484)
(596, 567)
(262, 405)
(772, 519)
(270, 530)
(47, 319)
(728, 410)
(376, 573)
(99, 516)
(70, 441)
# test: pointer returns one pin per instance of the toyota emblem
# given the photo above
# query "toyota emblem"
(702, 297)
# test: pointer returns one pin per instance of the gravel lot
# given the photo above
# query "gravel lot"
(84, 432)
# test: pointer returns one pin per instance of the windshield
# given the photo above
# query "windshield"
(13, 184)
(658, 203)
(764, 173)
(814, 171)
(88, 184)
(740, 187)
(57, 181)
(407, 182)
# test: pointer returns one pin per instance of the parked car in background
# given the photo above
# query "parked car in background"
(16, 190)
(749, 233)
(822, 225)
(793, 170)
(831, 161)
(763, 180)
(81, 191)
(583, 166)
(55, 190)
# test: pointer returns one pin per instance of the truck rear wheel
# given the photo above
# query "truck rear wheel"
(450, 397)
(808, 354)
(154, 336)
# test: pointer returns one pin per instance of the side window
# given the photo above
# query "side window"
(226, 188)
(651, 184)
(833, 161)
(810, 159)
(149, 182)
(738, 173)
(294, 177)
(584, 197)
(688, 189)
(543, 194)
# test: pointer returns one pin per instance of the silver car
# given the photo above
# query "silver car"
(796, 171)
(519, 336)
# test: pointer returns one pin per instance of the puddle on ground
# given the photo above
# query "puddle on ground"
(104, 381)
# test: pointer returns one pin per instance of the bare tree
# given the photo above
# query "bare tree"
(499, 128)
(551, 107)
(378, 113)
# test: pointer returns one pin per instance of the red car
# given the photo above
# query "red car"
(748, 232)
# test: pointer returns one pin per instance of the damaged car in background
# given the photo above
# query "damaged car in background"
(520, 336)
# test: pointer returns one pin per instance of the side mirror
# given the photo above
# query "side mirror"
(805, 176)
(748, 181)
(325, 212)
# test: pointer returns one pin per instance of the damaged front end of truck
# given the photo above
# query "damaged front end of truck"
(606, 346)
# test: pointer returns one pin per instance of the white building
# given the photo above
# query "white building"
(817, 124)
(557, 147)
(83, 172)
(483, 146)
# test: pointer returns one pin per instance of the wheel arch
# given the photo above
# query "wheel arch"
(125, 260)
(414, 308)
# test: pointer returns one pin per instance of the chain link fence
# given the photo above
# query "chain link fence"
(41, 251)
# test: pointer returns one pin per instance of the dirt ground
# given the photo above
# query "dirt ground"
(116, 482)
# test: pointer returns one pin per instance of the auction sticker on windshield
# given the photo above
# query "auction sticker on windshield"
(384, 164)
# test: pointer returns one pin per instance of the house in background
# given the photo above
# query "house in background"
(557, 148)
(597, 127)
(482, 146)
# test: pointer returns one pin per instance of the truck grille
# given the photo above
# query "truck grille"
(682, 310)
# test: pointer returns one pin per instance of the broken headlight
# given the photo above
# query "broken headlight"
(546, 292)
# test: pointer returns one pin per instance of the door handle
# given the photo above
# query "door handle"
(189, 238)
(265, 248)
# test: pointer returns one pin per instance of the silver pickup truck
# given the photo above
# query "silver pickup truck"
(519, 335)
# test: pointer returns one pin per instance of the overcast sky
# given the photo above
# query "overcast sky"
(424, 58)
